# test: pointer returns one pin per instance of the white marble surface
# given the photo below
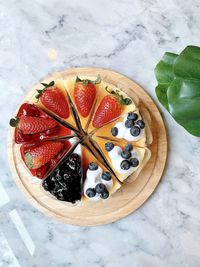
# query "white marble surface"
(128, 36)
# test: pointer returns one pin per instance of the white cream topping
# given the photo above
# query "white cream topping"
(92, 179)
(124, 132)
(73, 140)
(116, 159)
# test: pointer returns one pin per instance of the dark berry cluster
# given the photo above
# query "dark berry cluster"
(65, 182)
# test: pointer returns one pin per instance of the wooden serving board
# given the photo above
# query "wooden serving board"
(130, 197)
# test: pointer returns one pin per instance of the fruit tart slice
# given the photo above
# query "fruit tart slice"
(41, 157)
(125, 159)
(99, 182)
(53, 98)
(83, 92)
(32, 124)
(111, 104)
(132, 127)
(65, 183)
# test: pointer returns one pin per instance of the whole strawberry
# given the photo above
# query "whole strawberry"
(33, 125)
(54, 99)
(41, 154)
(85, 94)
(109, 108)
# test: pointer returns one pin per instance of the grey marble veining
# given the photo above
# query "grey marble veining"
(128, 36)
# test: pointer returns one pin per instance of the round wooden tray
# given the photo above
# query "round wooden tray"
(125, 201)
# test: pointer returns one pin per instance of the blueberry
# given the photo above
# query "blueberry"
(128, 147)
(126, 154)
(58, 177)
(67, 176)
(106, 176)
(109, 146)
(105, 194)
(90, 192)
(135, 131)
(49, 184)
(75, 157)
(141, 124)
(45, 185)
(134, 162)
(100, 188)
(59, 195)
(114, 131)
(125, 164)
(74, 162)
(129, 123)
(93, 166)
(132, 116)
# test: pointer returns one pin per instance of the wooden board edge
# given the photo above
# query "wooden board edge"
(115, 215)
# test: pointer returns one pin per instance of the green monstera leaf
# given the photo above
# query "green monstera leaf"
(164, 75)
(187, 64)
(178, 88)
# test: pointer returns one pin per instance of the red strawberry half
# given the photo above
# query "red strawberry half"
(43, 153)
(54, 99)
(84, 95)
(33, 125)
(109, 108)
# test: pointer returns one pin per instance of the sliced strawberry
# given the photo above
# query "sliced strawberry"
(27, 109)
(54, 99)
(41, 154)
(109, 108)
(33, 125)
(84, 95)
(42, 171)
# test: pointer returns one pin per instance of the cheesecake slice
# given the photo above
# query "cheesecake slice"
(83, 93)
(80, 176)
(132, 127)
(111, 103)
(65, 183)
(54, 99)
(125, 159)
(99, 182)
(32, 125)
(42, 157)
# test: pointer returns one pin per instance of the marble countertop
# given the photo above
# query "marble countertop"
(128, 36)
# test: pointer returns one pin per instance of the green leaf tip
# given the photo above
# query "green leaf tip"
(14, 122)
(28, 160)
(87, 81)
(40, 91)
(116, 93)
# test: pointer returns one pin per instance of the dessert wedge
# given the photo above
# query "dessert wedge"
(110, 148)
(132, 127)
(111, 104)
(124, 158)
(32, 125)
(140, 169)
(83, 92)
(41, 157)
(99, 182)
(66, 181)
(53, 98)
